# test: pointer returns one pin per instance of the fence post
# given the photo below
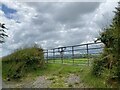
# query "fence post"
(61, 54)
(53, 55)
(47, 56)
(87, 53)
(73, 54)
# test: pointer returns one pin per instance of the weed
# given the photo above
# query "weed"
(51, 78)
(76, 83)
(60, 76)
(54, 81)
(70, 85)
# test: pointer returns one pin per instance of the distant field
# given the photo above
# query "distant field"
(70, 61)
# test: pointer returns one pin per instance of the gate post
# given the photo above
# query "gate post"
(73, 54)
(87, 53)
(62, 55)
(53, 55)
(47, 56)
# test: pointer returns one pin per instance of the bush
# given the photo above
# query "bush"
(21, 62)
(97, 67)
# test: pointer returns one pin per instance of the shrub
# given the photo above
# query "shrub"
(21, 62)
(97, 67)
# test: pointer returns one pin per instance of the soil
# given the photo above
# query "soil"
(72, 80)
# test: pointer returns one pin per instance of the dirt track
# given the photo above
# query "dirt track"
(43, 82)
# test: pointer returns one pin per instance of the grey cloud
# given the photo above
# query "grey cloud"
(43, 7)
(58, 24)
(105, 20)
(65, 12)
(73, 11)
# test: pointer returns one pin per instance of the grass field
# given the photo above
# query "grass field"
(71, 61)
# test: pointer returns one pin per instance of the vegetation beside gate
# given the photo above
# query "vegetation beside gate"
(109, 61)
(22, 61)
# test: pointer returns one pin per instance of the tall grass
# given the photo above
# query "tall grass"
(21, 62)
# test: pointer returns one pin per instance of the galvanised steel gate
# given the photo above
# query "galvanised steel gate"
(76, 54)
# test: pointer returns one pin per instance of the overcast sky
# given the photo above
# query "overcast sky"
(51, 24)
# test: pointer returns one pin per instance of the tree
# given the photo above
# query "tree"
(2, 32)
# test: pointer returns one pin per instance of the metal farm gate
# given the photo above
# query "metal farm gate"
(77, 54)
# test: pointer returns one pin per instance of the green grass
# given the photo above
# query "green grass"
(70, 61)
(55, 69)
(58, 72)
(91, 81)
